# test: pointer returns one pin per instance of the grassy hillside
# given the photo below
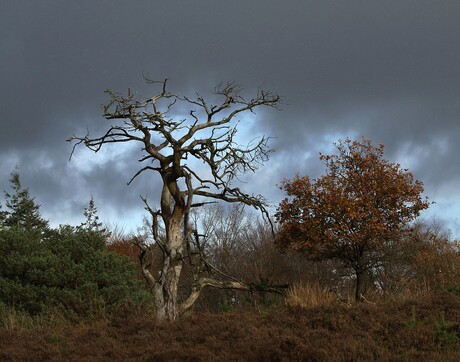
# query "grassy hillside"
(416, 330)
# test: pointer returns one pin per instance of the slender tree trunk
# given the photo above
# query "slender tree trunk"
(359, 284)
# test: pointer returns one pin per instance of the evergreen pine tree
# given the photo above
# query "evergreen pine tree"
(23, 211)
(2, 216)
(92, 222)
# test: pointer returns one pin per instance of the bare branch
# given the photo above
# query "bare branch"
(235, 285)
(208, 133)
(142, 170)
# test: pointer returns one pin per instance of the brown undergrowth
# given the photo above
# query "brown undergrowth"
(416, 330)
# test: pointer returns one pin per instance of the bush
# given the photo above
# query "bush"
(67, 269)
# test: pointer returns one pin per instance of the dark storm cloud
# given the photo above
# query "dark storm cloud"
(387, 70)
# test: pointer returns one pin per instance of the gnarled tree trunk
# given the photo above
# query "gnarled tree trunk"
(207, 135)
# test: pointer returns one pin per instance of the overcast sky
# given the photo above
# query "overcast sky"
(386, 70)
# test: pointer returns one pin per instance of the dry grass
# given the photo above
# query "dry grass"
(11, 318)
(418, 330)
(305, 295)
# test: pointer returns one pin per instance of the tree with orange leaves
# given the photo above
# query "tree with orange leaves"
(351, 214)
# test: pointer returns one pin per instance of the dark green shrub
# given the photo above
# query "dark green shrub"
(68, 269)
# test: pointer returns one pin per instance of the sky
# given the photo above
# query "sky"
(385, 70)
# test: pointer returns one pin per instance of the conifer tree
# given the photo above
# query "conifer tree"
(92, 222)
(2, 216)
(22, 210)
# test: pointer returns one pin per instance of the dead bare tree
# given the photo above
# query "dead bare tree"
(207, 134)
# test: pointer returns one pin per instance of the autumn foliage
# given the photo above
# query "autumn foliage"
(354, 213)
(435, 259)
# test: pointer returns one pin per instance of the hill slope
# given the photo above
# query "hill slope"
(421, 330)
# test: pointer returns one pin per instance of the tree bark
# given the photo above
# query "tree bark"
(359, 284)
(172, 205)
(165, 286)
(170, 292)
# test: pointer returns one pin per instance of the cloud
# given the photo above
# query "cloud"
(384, 70)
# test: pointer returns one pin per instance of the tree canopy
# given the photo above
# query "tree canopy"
(362, 203)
